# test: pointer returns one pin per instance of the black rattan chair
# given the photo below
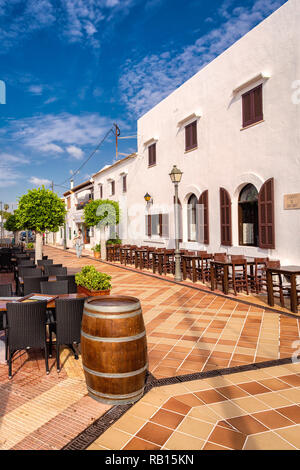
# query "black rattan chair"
(26, 328)
(54, 287)
(5, 290)
(71, 282)
(32, 285)
(26, 262)
(55, 270)
(67, 325)
(44, 262)
(5, 262)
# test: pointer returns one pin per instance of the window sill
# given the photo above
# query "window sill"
(191, 150)
(251, 125)
(151, 166)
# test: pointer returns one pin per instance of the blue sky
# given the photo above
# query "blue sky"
(74, 67)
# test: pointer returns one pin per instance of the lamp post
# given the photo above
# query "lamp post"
(176, 176)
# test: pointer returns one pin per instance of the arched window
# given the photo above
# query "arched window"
(192, 218)
(248, 216)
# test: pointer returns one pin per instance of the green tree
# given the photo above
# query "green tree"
(103, 213)
(11, 225)
(40, 210)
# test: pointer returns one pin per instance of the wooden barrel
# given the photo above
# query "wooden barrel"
(114, 349)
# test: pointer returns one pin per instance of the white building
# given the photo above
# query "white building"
(233, 130)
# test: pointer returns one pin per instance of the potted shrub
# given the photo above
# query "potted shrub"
(114, 241)
(92, 283)
(97, 249)
(30, 246)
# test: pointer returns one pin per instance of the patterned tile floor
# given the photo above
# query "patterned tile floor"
(254, 411)
(188, 331)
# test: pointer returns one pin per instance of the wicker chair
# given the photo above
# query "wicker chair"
(32, 285)
(6, 290)
(44, 262)
(26, 262)
(5, 262)
(55, 287)
(51, 270)
(67, 325)
(71, 282)
(26, 328)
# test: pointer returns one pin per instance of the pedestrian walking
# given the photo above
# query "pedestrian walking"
(78, 242)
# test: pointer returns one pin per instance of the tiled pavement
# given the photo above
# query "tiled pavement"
(188, 331)
(256, 410)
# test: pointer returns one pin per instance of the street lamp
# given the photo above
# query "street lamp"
(176, 176)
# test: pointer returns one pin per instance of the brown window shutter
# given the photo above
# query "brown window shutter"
(258, 104)
(266, 219)
(225, 213)
(149, 225)
(247, 109)
(160, 225)
(152, 155)
(204, 201)
(191, 136)
(112, 188)
(124, 183)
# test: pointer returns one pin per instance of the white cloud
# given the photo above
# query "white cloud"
(78, 21)
(52, 148)
(75, 152)
(9, 173)
(36, 89)
(39, 181)
(52, 133)
(147, 81)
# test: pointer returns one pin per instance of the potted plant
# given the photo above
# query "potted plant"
(97, 249)
(114, 241)
(92, 283)
(30, 246)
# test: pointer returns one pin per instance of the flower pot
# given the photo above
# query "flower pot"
(91, 293)
(96, 254)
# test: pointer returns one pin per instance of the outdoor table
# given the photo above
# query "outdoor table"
(139, 257)
(291, 272)
(50, 279)
(225, 265)
(193, 259)
(50, 304)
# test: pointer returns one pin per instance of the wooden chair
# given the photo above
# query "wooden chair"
(239, 275)
(255, 280)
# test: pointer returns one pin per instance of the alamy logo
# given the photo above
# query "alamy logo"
(2, 92)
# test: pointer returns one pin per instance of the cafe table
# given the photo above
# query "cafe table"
(225, 265)
(51, 304)
(291, 272)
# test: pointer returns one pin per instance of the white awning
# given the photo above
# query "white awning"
(190, 117)
(251, 81)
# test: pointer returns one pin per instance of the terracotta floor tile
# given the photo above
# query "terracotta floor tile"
(232, 392)
(293, 379)
(140, 444)
(176, 405)
(274, 384)
(292, 412)
(291, 434)
(254, 388)
(154, 433)
(195, 428)
(247, 425)
(231, 439)
(267, 441)
(167, 418)
(210, 396)
(211, 446)
(180, 441)
(189, 399)
(272, 419)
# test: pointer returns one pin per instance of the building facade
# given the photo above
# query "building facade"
(233, 131)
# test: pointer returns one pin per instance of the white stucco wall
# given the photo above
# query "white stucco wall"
(226, 155)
